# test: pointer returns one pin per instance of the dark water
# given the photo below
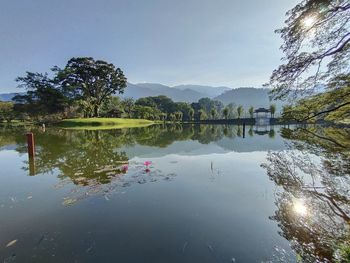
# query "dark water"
(176, 194)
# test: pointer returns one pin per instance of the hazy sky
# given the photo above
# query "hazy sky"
(211, 42)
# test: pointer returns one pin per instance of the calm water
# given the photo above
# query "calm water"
(175, 194)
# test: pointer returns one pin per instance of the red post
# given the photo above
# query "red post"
(31, 145)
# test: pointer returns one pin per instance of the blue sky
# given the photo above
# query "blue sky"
(210, 42)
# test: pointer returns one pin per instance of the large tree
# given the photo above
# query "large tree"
(316, 45)
(43, 96)
(92, 80)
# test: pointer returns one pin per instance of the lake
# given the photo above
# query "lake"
(173, 193)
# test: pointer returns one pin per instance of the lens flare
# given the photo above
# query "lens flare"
(309, 21)
(300, 208)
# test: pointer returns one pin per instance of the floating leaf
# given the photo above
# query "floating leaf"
(11, 243)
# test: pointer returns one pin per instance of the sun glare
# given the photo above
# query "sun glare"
(309, 21)
(299, 208)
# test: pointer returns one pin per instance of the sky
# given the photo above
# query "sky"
(206, 42)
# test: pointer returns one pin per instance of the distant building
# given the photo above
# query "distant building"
(262, 116)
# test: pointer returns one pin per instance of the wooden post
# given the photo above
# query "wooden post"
(243, 129)
(31, 145)
(31, 153)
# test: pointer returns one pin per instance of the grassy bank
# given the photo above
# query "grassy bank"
(103, 123)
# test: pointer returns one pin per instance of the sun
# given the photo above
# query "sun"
(309, 21)
(300, 208)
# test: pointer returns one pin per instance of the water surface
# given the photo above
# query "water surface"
(175, 194)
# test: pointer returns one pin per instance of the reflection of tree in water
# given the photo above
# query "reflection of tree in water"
(133, 173)
(314, 205)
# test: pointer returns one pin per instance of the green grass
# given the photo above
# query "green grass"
(103, 123)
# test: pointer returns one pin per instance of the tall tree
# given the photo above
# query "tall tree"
(251, 112)
(43, 96)
(213, 113)
(316, 46)
(240, 111)
(225, 112)
(95, 80)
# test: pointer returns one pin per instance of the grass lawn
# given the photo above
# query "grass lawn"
(103, 123)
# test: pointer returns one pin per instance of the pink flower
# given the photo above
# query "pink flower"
(147, 163)
(125, 168)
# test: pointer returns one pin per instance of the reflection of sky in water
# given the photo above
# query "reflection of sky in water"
(199, 202)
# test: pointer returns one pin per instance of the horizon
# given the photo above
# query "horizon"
(183, 43)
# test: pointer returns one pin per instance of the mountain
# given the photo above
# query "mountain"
(153, 89)
(210, 91)
(7, 96)
(247, 97)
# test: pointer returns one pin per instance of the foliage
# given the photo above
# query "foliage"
(316, 41)
(43, 96)
(332, 105)
(226, 112)
(251, 112)
(7, 111)
(240, 111)
(92, 80)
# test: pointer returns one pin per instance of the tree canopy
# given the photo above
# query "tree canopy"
(93, 80)
(315, 45)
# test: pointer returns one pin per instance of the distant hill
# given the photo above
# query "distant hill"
(246, 97)
(256, 97)
(7, 96)
(186, 93)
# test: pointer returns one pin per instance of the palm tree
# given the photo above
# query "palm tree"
(272, 110)
(251, 112)
(240, 111)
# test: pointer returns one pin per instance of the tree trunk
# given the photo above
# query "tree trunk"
(96, 111)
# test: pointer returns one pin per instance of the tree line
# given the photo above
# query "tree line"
(86, 87)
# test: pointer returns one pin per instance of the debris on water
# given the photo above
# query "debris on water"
(89, 250)
(69, 201)
(233, 260)
(210, 248)
(30, 197)
(13, 199)
(184, 247)
(106, 197)
(10, 258)
(41, 239)
(11, 243)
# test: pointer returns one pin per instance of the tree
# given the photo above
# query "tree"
(240, 111)
(272, 110)
(202, 115)
(93, 80)
(43, 96)
(191, 113)
(225, 112)
(112, 107)
(178, 115)
(232, 110)
(213, 113)
(7, 111)
(316, 47)
(332, 105)
(251, 112)
(128, 106)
